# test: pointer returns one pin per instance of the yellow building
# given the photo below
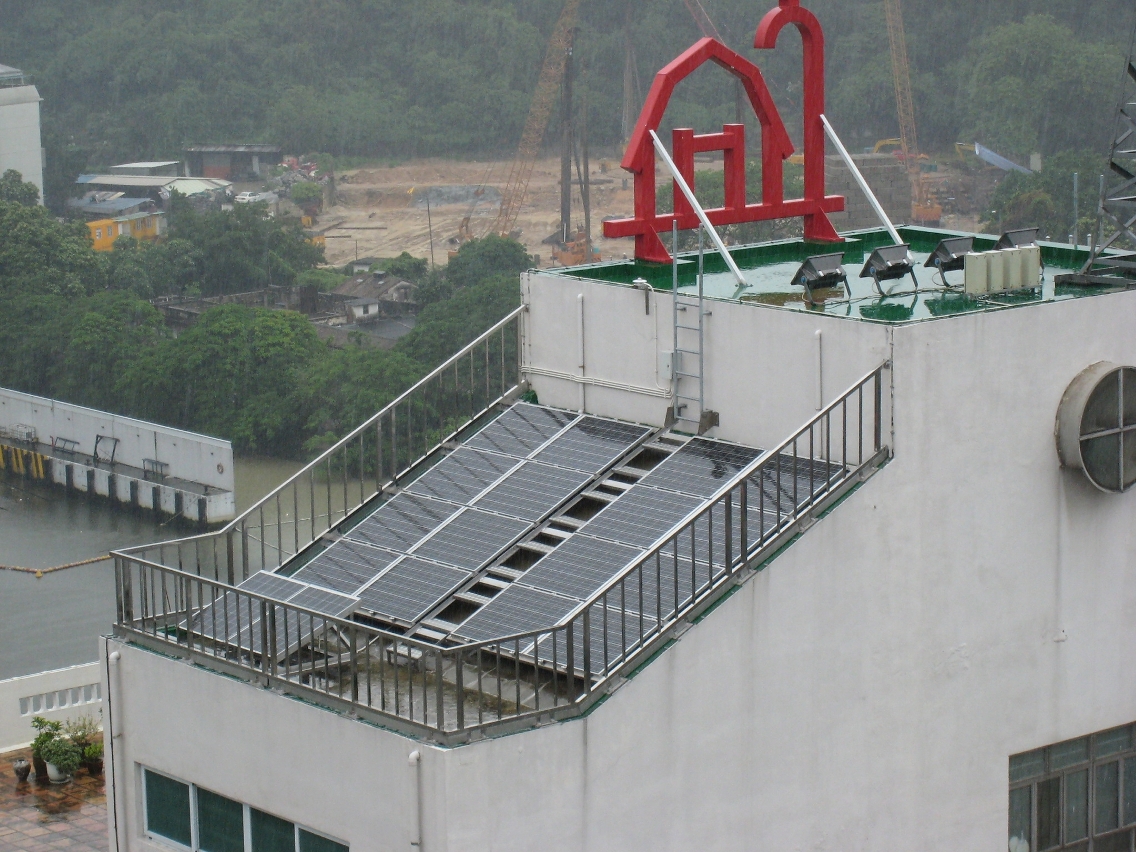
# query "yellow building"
(145, 227)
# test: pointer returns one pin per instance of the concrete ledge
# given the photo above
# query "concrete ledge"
(58, 694)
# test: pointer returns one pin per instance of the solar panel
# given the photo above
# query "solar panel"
(613, 636)
(532, 491)
(403, 522)
(324, 601)
(701, 467)
(462, 475)
(591, 444)
(515, 610)
(579, 566)
(410, 589)
(345, 566)
(641, 516)
(472, 538)
(271, 585)
(521, 429)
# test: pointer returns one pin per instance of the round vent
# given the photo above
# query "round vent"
(1096, 426)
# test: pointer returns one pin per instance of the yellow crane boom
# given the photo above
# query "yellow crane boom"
(540, 111)
(924, 210)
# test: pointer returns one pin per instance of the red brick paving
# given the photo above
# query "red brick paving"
(45, 817)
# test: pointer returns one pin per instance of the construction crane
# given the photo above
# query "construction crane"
(540, 111)
(924, 210)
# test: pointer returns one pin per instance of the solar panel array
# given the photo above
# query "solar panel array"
(616, 537)
(406, 558)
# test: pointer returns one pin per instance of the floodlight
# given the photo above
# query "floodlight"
(821, 270)
(950, 254)
(888, 263)
(1017, 239)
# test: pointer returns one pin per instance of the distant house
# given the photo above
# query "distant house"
(230, 162)
(163, 168)
(363, 310)
(108, 205)
(144, 227)
(363, 264)
(155, 187)
(20, 146)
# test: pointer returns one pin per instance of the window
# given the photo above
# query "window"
(198, 819)
(1077, 795)
(98, 233)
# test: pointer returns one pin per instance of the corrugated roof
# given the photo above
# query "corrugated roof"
(147, 165)
(109, 207)
(233, 149)
(154, 181)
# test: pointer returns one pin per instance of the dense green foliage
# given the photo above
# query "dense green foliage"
(75, 325)
(1045, 199)
(123, 79)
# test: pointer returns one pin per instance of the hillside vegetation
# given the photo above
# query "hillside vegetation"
(125, 79)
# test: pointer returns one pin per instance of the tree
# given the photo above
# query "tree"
(478, 260)
(308, 196)
(15, 190)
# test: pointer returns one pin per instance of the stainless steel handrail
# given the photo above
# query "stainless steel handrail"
(555, 671)
(395, 442)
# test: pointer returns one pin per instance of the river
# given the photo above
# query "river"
(55, 620)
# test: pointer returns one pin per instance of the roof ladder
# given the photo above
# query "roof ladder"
(688, 387)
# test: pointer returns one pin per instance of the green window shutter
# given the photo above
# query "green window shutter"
(220, 823)
(167, 808)
(314, 843)
(271, 834)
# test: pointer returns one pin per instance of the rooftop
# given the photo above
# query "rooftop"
(233, 149)
(769, 269)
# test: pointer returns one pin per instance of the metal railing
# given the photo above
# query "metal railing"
(448, 693)
(357, 468)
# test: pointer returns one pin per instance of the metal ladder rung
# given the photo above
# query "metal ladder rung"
(688, 327)
(683, 375)
(688, 351)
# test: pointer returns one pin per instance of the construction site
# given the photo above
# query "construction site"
(553, 203)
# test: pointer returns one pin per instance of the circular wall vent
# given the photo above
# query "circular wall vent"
(1096, 426)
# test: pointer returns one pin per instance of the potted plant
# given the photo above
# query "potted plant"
(93, 758)
(62, 758)
(46, 731)
(22, 769)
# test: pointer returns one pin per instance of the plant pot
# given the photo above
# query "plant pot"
(55, 775)
(22, 769)
(40, 769)
(94, 766)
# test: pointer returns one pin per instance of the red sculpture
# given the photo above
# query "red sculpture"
(775, 144)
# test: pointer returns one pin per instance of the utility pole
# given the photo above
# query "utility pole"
(566, 149)
(430, 225)
(586, 187)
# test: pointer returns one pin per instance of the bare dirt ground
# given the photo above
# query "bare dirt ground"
(379, 216)
(380, 210)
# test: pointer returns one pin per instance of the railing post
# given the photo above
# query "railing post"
(879, 405)
(586, 638)
(459, 688)
(228, 558)
(439, 691)
(354, 666)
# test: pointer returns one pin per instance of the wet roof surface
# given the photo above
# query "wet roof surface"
(769, 269)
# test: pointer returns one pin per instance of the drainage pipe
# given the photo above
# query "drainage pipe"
(415, 760)
(863, 184)
(681, 183)
(580, 335)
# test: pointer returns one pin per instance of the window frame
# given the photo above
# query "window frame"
(1089, 765)
(194, 818)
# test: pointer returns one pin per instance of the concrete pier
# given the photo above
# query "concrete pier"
(130, 462)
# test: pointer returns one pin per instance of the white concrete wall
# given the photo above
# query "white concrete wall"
(760, 362)
(58, 695)
(20, 145)
(197, 458)
(338, 776)
(864, 692)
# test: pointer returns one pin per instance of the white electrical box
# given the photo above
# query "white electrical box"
(1031, 266)
(995, 271)
(974, 270)
(666, 366)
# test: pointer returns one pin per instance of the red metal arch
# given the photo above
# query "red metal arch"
(817, 226)
(775, 144)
